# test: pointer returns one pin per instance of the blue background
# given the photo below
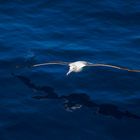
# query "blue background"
(36, 103)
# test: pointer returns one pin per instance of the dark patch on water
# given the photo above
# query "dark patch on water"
(77, 100)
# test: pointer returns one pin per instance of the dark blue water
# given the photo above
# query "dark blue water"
(43, 103)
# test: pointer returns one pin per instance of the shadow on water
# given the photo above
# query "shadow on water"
(75, 101)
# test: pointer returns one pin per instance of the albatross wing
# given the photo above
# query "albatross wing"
(112, 66)
(51, 63)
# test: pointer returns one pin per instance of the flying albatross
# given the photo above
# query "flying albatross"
(78, 66)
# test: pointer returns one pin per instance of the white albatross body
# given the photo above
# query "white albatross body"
(78, 66)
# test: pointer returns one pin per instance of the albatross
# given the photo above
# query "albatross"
(78, 66)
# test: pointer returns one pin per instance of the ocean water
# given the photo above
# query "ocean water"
(43, 103)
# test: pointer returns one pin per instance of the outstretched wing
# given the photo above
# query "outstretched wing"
(51, 63)
(112, 66)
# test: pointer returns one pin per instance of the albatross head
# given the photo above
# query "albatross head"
(76, 66)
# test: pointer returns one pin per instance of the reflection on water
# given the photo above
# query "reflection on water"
(75, 101)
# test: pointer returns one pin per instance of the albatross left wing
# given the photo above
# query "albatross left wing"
(112, 66)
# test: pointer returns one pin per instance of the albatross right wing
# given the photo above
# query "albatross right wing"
(52, 63)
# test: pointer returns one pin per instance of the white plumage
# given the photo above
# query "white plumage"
(78, 66)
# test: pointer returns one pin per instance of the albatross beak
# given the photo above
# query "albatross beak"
(68, 72)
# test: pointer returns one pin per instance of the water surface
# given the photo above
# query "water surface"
(43, 103)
